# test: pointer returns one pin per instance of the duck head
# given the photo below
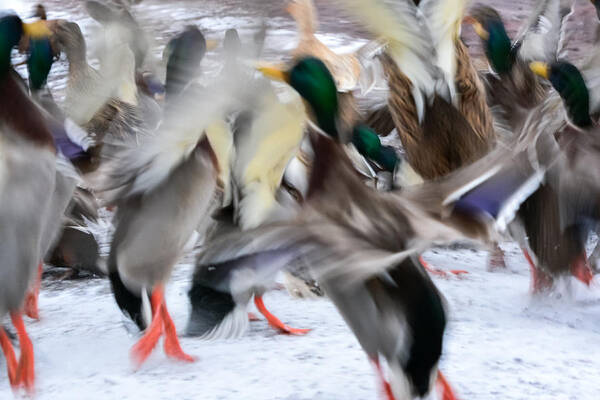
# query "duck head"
(39, 62)
(569, 83)
(12, 30)
(312, 80)
(368, 144)
(489, 27)
(184, 53)
(39, 11)
(232, 43)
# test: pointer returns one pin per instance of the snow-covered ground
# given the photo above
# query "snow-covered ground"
(500, 344)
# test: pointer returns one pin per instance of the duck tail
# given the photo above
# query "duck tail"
(130, 303)
(214, 313)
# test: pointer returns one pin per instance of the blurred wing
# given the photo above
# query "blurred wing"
(539, 36)
(142, 162)
(444, 18)
(409, 41)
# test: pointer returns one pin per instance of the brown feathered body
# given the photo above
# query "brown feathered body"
(444, 140)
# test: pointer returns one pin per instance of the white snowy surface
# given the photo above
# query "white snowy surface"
(500, 344)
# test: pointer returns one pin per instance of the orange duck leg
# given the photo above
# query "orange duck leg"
(31, 300)
(274, 321)
(161, 324)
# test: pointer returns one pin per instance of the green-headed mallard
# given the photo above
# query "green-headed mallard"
(513, 90)
(556, 217)
(351, 234)
(27, 173)
(430, 78)
(164, 184)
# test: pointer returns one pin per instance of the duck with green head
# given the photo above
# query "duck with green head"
(556, 217)
(27, 173)
(335, 190)
(512, 85)
(313, 81)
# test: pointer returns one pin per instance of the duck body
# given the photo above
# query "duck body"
(409, 314)
(180, 202)
(27, 173)
(432, 148)
(27, 180)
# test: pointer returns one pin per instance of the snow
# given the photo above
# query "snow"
(501, 343)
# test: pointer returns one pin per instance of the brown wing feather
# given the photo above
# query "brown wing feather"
(444, 142)
(473, 104)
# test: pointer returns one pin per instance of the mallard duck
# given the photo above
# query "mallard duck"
(555, 216)
(267, 132)
(163, 188)
(357, 231)
(512, 88)
(27, 172)
(425, 72)
(436, 99)
(63, 130)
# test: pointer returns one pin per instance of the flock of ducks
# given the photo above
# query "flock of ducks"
(260, 177)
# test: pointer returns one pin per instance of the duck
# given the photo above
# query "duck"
(556, 217)
(267, 131)
(107, 103)
(436, 100)
(512, 88)
(162, 188)
(64, 132)
(27, 173)
(353, 232)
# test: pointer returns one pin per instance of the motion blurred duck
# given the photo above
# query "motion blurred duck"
(356, 230)
(557, 218)
(436, 99)
(27, 173)
(163, 188)
(267, 132)
(513, 90)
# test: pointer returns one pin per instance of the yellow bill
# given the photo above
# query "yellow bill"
(275, 72)
(36, 30)
(479, 29)
(540, 68)
(212, 44)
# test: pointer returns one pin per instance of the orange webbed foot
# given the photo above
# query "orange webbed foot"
(276, 322)
(172, 346)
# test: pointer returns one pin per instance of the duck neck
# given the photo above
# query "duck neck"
(21, 114)
(498, 48)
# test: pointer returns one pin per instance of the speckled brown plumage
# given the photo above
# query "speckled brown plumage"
(443, 142)
(472, 98)
(380, 120)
